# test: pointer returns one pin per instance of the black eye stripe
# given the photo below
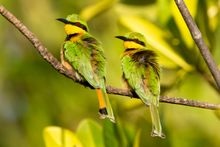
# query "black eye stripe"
(129, 39)
(137, 41)
(78, 25)
(68, 37)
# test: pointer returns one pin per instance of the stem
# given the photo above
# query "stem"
(197, 37)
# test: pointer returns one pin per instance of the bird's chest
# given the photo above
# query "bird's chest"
(75, 38)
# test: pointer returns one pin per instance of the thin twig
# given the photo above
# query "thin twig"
(38, 45)
(166, 99)
(70, 74)
(197, 37)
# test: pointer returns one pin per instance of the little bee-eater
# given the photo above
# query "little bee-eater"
(141, 72)
(84, 54)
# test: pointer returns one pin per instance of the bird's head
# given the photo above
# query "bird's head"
(133, 40)
(74, 24)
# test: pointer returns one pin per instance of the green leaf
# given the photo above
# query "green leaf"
(110, 134)
(93, 10)
(217, 113)
(60, 137)
(213, 15)
(155, 38)
(164, 12)
(149, 11)
(137, 139)
(114, 134)
(90, 134)
(192, 6)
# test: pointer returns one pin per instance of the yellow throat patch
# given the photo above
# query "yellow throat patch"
(71, 29)
(132, 44)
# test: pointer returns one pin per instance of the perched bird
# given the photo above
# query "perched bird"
(141, 72)
(84, 54)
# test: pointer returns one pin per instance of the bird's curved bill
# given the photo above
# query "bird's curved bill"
(121, 37)
(63, 20)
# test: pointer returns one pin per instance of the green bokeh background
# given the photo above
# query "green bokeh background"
(33, 95)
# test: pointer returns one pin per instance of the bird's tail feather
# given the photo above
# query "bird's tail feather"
(157, 129)
(105, 109)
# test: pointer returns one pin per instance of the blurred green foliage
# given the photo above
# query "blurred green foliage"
(90, 133)
(33, 95)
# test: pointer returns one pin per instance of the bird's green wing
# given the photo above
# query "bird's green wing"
(97, 57)
(98, 65)
(87, 58)
(142, 74)
(147, 69)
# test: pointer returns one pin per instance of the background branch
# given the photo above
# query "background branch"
(71, 74)
(197, 37)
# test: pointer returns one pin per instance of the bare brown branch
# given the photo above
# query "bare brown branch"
(197, 37)
(166, 99)
(70, 74)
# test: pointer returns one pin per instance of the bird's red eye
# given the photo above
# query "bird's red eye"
(78, 24)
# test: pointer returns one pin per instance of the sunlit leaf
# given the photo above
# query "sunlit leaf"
(60, 137)
(164, 12)
(213, 14)
(154, 36)
(149, 11)
(92, 10)
(137, 139)
(90, 134)
(192, 6)
(216, 52)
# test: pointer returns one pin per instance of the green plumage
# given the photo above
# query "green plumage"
(142, 74)
(85, 55)
(87, 58)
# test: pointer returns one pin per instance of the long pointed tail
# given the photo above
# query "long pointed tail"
(105, 109)
(157, 129)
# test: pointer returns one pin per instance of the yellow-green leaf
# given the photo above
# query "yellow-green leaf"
(213, 14)
(60, 137)
(110, 134)
(164, 12)
(90, 133)
(155, 38)
(137, 139)
(149, 11)
(192, 6)
(217, 113)
(92, 10)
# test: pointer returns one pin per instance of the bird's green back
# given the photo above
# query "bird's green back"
(87, 58)
(142, 74)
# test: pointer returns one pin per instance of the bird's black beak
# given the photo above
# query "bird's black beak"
(121, 37)
(63, 20)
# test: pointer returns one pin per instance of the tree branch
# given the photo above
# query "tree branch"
(71, 74)
(197, 37)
